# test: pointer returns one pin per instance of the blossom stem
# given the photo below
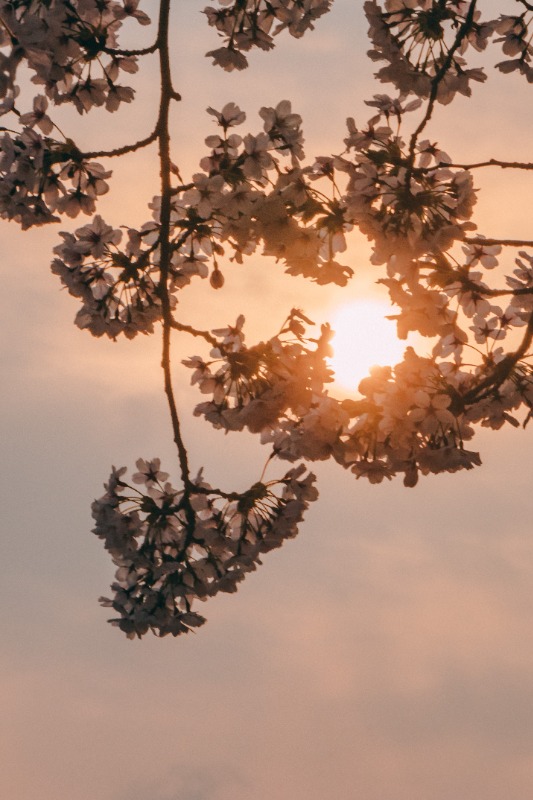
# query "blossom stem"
(120, 151)
(441, 74)
(180, 326)
(163, 136)
(504, 242)
(491, 162)
(144, 51)
(502, 370)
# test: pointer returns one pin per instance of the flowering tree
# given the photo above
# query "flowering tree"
(256, 193)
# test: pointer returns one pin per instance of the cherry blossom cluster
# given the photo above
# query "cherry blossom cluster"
(410, 420)
(423, 43)
(71, 48)
(254, 387)
(464, 283)
(515, 35)
(254, 23)
(174, 547)
(407, 203)
(416, 417)
(255, 193)
(41, 177)
(243, 198)
(246, 196)
(118, 288)
(413, 418)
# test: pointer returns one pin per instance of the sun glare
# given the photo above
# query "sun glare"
(363, 338)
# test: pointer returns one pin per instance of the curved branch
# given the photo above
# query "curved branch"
(492, 162)
(120, 151)
(169, 391)
(219, 492)
(504, 242)
(183, 188)
(144, 51)
(180, 326)
(506, 292)
(501, 371)
(163, 136)
(462, 32)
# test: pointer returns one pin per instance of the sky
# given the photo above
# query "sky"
(386, 652)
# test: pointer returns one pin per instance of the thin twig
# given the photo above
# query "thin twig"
(492, 162)
(120, 151)
(144, 51)
(462, 32)
(501, 371)
(180, 326)
(167, 93)
(475, 240)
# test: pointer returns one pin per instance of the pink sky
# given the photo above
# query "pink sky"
(386, 653)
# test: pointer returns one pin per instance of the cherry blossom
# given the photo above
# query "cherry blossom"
(243, 26)
(174, 547)
(256, 193)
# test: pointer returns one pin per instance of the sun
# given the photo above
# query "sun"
(363, 338)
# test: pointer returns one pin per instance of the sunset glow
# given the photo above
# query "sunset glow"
(385, 652)
(363, 338)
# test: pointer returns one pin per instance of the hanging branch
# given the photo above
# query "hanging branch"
(167, 95)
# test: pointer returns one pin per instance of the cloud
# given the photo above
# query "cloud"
(212, 781)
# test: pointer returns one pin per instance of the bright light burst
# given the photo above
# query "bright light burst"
(363, 338)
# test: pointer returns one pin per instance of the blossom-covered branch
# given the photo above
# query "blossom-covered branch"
(255, 194)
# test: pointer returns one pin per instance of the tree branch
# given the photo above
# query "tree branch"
(501, 371)
(462, 32)
(120, 151)
(492, 162)
(478, 240)
(179, 326)
(144, 51)
(163, 135)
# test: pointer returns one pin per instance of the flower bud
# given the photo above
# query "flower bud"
(217, 279)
